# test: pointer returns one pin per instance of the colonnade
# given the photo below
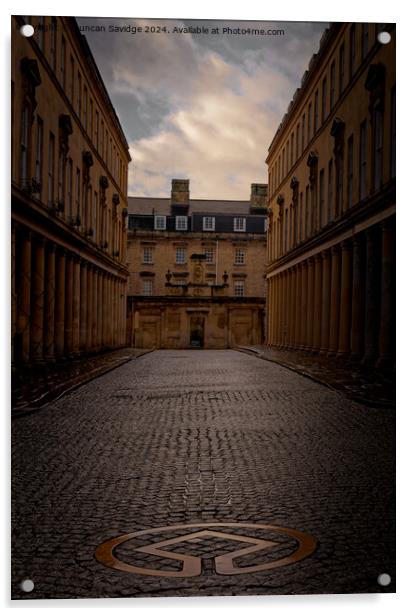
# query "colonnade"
(63, 305)
(340, 301)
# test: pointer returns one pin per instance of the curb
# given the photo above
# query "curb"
(59, 392)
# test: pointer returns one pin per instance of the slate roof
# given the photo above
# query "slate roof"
(162, 206)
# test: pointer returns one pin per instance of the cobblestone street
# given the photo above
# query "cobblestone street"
(193, 438)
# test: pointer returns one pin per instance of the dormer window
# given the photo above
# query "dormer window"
(181, 223)
(208, 223)
(160, 223)
(239, 224)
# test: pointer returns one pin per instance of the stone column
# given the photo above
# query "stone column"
(298, 314)
(60, 302)
(318, 289)
(100, 310)
(69, 307)
(288, 310)
(304, 304)
(76, 305)
(105, 309)
(345, 300)
(291, 329)
(334, 300)
(94, 307)
(13, 288)
(357, 300)
(325, 302)
(89, 311)
(23, 297)
(310, 305)
(372, 297)
(110, 311)
(274, 312)
(270, 311)
(387, 300)
(50, 303)
(279, 310)
(37, 301)
(83, 306)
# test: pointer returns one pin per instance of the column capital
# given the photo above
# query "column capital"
(357, 239)
(386, 224)
(51, 246)
(335, 249)
(345, 244)
(317, 257)
(325, 254)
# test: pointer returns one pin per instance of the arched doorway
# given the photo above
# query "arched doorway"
(196, 332)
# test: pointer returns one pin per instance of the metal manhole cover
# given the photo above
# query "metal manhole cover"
(127, 553)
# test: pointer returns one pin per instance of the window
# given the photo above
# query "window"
(393, 134)
(147, 286)
(324, 100)
(297, 141)
(378, 146)
(63, 64)
(77, 192)
(239, 256)
(300, 228)
(181, 223)
(160, 223)
(363, 160)
(352, 53)
(60, 177)
(292, 149)
(180, 255)
(69, 187)
(91, 117)
(38, 171)
(364, 40)
(330, 192)
(321, 200)
(50, 171)
(350, 171)
(283, 164)
(147, 255)
(97, 129)
(341, 70)
(79, 96)
(24, 146)
(340, 173)
(286, 231)
(309, 128)
(102, 135)
(239, 224)
(53, 31)
(72, 80)
(307, 211)
(316, 112)
(332, 85)
(85, 108)
(288, 157)
(239, 288)
(209, 254)
(302, 133)
(208, 223)
(40, 33)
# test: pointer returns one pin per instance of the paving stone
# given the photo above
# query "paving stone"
(201, 437)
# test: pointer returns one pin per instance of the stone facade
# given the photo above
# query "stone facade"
(197, 270)
(331, 230)
(69, 182)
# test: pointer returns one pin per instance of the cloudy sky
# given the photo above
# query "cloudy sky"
(200, 106)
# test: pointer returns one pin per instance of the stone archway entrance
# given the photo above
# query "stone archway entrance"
(196, 331)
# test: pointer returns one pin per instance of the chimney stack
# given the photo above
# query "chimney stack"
(180, 192)
(258, 198)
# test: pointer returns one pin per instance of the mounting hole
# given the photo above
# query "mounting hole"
(384, 38)
(27, 585)
(27, 30)
(384, 579)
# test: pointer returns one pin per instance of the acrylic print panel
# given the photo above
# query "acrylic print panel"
(203, 270)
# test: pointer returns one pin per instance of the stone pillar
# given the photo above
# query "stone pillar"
(50, 303)
(270, 311)
(372, 297)
(304, 304)
(387, 300)
(100, 310)
(357, 300)
(279, 311)
(325, 302)
(345, 300)
(60, 302)
(291, 329)
(318, 289)
(23, 298)
(298, 314)
(89, 311)
(83, 306)
(37, 301)
(288, 309)
(310, 305)
(334, 300)
(105, 309)
(13, 288)
(76, 305)
(94, 307)
(69, 307)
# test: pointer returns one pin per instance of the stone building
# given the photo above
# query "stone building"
(197, 270)
(69, 183)
(331, 230)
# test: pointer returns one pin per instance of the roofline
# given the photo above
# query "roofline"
(207, 200)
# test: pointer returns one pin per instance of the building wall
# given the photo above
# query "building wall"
(69, 183)
(331, 231)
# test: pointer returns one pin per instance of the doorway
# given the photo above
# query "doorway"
(196, 336)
